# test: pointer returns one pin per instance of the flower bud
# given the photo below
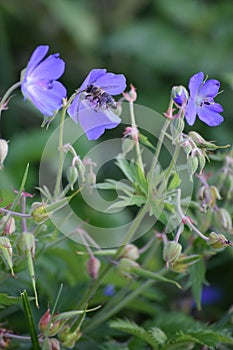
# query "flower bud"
(124, 267)
(171, 252)
(6, 250)
(179, 95)
(45, 321)
(182, 263)
(218, 241)
(131, 252)
(53, 344)
(3, 151)
(67, 338)
(72, 176)
(208, 195)
(192, 164)
(38, 212)
(7, 226)
(197, 138)
(131, 96)
(93, 266)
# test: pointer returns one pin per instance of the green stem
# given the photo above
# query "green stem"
(169, 170)
(7, 94)
(134, 125)
(188, 222)
(94, 286)
(156, 156)
(61, 154)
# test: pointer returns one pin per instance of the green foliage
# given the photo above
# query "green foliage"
(182, 339)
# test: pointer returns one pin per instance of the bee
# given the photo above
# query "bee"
(100, 97)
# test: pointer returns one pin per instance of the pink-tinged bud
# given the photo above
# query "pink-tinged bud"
(45, 321)
(131, 96)
(131, 131)
(93, 266)
(131, 252)
(50, 321)
(9, 226)
(53, 344)
(3, 151)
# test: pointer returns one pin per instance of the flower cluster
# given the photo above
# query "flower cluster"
(93, 105)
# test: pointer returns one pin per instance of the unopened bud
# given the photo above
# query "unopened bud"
(3, 151)
(171, 252)
(125, 266)
(49, 325)
(72, 176)
(192, 164)
(131, 252)
(208, 196)
(67, 338)
(7, 225)
(182, 263)
(53, 344)
(38, 212)
(179, 95)
(131, 96)
(197, 138)
(45, 321)
(218, 241)
(93, 266)
(6, 250)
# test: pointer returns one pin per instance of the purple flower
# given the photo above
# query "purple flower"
(39, 81)
(201, 101)
(93, 105)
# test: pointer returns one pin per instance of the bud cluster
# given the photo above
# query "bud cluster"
(208, 196)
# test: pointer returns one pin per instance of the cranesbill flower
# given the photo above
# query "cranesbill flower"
(201, 101)
(93, 106)
(39, 82)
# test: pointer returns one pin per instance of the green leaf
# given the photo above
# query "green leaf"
(197, 279)
(144, 140)
(132, 328)
(30, 321)
(141, 180)
(6, 300)
(126, 168)
(158, 335)
(70, 314)
(175, 182)
(115, 185)
(152, 275)
(113, 345)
